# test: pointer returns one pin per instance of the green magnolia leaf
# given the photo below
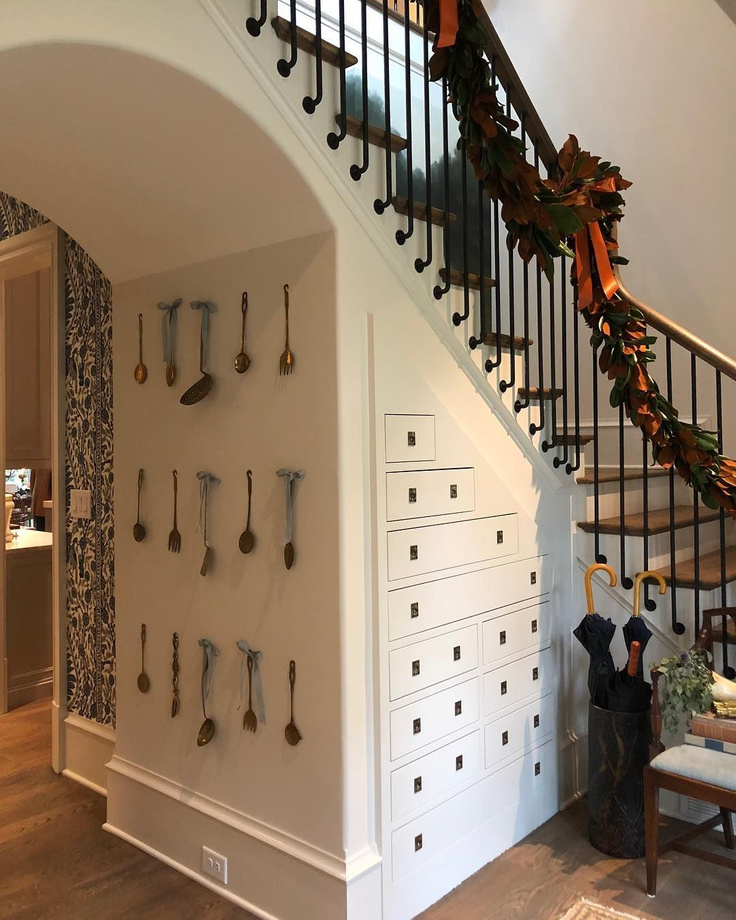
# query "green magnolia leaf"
(565, 219)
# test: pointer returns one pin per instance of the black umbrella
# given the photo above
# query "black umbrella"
(595, 634)
(627, 691)
(636, 630)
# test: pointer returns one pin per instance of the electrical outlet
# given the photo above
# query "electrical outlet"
(80, 504)
(214, 865)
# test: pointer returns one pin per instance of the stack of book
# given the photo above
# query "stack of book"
(710, 731)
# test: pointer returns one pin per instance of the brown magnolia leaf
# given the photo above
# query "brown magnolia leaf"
(666, 457)
(570, 150)
(587, 214)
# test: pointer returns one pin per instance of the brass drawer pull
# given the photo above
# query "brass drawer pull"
(504, 688)
(456, 653)
(413, 552)
(535, 673)
(537, 768)
(502, 637)
(418, 842)
(411, 438)
(415, 668)
(459, 762)
(505, 738)
(412, 496)
(453, 491)
(533, 578)
(414, 610)
(417, 784)
(536, 721)
(417, 726)
(535, 626)
(459, 708)
(499, 536)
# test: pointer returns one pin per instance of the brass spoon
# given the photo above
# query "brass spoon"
(139, 531)
(144, 682)
(247, 540)
(141, 372)
(291, 732)
(197, 391)
(207, 729)
(170, 375)
(242, 361)
(250, 719)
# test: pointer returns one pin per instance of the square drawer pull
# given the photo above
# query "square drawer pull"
(456, 653)
(535, 673)
(411, 438)
(502, 637)
(415, 610)
(505, 738)
(459, 762)
(417, 842)
(413, 552)
(453, 491)
(535, 626)
(459, 708)
(499, 536)
(412, 496)
(533, 578)
(537, 768)
(417, 784)
(415, 668)
(417, 726)
(504, 688)
(536, 721)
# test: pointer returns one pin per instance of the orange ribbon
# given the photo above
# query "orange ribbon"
(449, 23)
(583, 266)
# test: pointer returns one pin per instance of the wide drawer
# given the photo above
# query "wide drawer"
(422, 664)
(434, 775)
(435, 603)
(419, 550)
(425, 493)
(530, 781)
(519, 730)
(429, 719)
(409, 437)
(516, 682)
(523, 631)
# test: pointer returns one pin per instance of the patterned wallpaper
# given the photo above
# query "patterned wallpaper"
(90, 544)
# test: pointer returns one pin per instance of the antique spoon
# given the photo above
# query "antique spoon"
(291, 732)
(197, 391)
(247, 540)
(174, 535)
(141, 372)
(139, 531)
(250, 719)
(207, 729)
(144, 682)
(242, 361)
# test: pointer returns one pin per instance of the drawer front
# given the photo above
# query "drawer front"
(520, 632)
(409, 437)
(434, 775)
(424, 493)
(530, 781)
(519, 730)
(435, 603)
(422, 664)
(432, 718)
(420, 550)
(515, 682)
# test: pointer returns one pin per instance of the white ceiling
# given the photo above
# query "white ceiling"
(145, 167)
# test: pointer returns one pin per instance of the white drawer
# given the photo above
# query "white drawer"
(523, 631)
(516, 682)
(434, 775)
(424, 493)
(409, 437)
(530, 781)
(422, 664)
(432, 718)
(519, 730)
(420, 550)
(435, 603)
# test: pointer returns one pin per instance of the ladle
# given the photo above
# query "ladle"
(242, 361)
(247, 540)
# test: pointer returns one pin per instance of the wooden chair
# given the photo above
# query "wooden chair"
(700, 773)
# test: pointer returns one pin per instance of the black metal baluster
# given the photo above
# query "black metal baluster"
(677, 627)
(285, 66)
(496, 233)
(334, 139)
(649, 603)
(254, 25)
(696, 508)
(599, 557)
(728, 671)
(421, 264)
(525, 293)
(573, 467)
(534, 428)
(547, 444)
(380, 206)
(558, 461)
(473, 341)
(458, 318)
(357, 171)
(626, 582)
(310, 103)
(403, 235)
(441, 290)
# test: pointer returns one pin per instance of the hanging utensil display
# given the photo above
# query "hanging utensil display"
(168, 337)
(289, 477)
(197, 391)
(174, 535)
(251, 660)
(208, 727)
(141, 372)
(291, 732)
(175, 677)
(242, 361)
(144, 682)
(139, 531)
(286, 361)
(247, 540)
(205, 481)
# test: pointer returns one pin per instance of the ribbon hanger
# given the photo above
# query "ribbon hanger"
(207, 308)
(205, 481)
(209, 653)
(168, 328)
(289, 477)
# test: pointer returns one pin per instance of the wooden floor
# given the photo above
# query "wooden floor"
(56, 862)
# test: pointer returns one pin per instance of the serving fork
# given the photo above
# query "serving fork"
(286, 361)
(175, 536)
(250, 719)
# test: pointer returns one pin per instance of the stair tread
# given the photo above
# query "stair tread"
(376, 135)
(419, 209)
(615, 475)
(658, 521)
(570, 437)
(307, 42)
(717, 630)
(535, 393)
(709, 575)
(457, 279)
(519, 342)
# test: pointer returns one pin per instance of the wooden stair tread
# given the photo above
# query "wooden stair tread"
(570, 438)
(709, 575)
(658, 521)
(717, 629)
(615, 476)
(419, 209)
(457, 279)
(307, 42)
(494, 339)
(535, 393)
(376, 135)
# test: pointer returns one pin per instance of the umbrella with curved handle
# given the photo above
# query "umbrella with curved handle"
(595, 634)
(636, 630)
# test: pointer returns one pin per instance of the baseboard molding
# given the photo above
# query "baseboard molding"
(88, 747)
(29, 687)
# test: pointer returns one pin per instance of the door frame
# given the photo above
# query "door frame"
(43, 247)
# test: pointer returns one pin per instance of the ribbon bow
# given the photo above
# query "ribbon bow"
(168, 328)
(592, 235)
(289, 476)
(255, 657)
(205, 481)
(206, 307)
(209, 654)
(449, 23)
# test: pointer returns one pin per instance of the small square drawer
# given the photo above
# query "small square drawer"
(409, 437)
(523, 631)
(422, 664)
(427, 720)
(515, 682)
(519, 730)
(426, 493)
(434, 775)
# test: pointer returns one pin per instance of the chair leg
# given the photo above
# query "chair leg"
(651, 819)
(727, 828)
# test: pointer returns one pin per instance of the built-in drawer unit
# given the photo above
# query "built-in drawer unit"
(427, 493)
(519, 730)
(434, 775)
(516, 682)
(422, 664)
(420, 550)
(523, 631)
(530, 780)
(429, 719)
(409, 438)
(435, 603)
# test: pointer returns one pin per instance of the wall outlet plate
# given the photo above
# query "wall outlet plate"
(214, 865)
(80, 504)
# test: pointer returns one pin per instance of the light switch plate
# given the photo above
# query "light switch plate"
(80, 504)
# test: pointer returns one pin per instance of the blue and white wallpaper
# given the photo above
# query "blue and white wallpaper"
(89, 464)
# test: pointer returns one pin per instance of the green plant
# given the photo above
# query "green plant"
(686, 688)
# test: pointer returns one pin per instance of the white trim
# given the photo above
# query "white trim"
(106, 732)
(84, 781)
(88, 749)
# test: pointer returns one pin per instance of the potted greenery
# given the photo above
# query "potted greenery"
(686, 688)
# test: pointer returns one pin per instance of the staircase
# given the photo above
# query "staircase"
(391, 129)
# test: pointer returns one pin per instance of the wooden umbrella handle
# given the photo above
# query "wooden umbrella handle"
(589, 584)
(634, 656)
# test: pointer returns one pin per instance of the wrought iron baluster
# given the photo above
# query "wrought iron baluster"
(421, 264)
(534, 428)
(379, 205)
(559, 461)
(441, 290)
(356, 171)
(696, 506)
(458, 318)
(310, 103)
(335, 138)
(286, 65)
(573, 467)
(728, 671)
(599, 557)
(403, 235)
(253, 24)
(677, 627)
